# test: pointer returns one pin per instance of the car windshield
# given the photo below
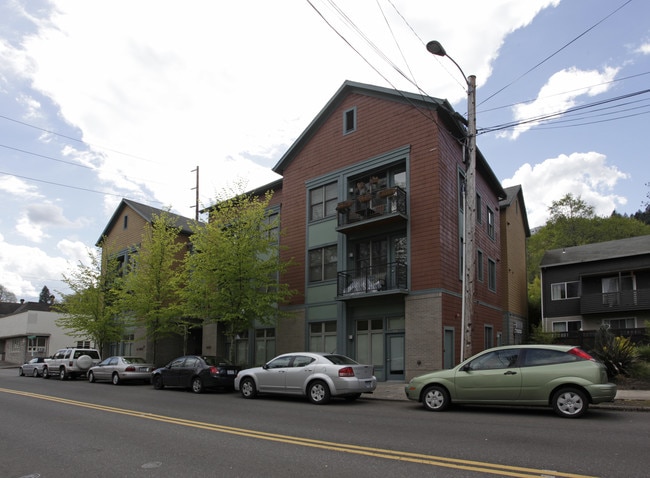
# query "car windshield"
(216, 361)
(340, 360)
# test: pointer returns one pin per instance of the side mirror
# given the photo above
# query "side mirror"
(265, 366)
(465, 368)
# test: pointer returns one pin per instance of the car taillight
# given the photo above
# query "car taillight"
(346, 372)
(580, 353)
(130, 368)
(214, 371)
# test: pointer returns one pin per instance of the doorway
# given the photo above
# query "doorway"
(395, 356)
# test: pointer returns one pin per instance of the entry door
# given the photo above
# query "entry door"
(395, 357)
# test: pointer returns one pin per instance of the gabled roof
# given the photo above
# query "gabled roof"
(13, 308)
(511, 193)
(632, 246)
(451, 119)
(147, 213)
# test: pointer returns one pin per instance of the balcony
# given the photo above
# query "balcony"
(390, 277)
(382, 206)
(613, 302)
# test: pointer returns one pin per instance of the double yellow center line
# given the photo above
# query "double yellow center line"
(459, 464)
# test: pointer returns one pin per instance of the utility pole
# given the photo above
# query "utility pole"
(469, 213)
(196, 188)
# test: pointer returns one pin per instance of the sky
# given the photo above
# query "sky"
(108, 99)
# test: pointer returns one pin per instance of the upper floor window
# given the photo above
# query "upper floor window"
(479, 265)
(565, 290)
(479, 209)
(322, 264)
(490, 222)
(322, 201)
(271, 226)
(492, 275)
(126, 222)
(350, 121)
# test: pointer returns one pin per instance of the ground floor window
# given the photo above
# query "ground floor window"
(264, 345)
(370, 342)
(567, 326)
(322, 336)
(241, 349)
(626, 323)
(489, 336)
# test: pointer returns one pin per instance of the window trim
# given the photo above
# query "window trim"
(350, 120)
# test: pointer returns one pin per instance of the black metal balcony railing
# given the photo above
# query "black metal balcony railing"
(386, 277)
(622, 301)
(377, 204)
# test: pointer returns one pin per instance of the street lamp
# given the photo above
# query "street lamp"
(469, 246)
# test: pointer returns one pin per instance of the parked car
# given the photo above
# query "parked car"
(71, 363)
(118, 369)
(196, 373)
(563, 377)
(318, 376)
(33, 367)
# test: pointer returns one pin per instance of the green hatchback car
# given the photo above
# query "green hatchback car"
(563, 377)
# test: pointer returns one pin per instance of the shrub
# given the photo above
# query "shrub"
(644, 353)
(618, 354)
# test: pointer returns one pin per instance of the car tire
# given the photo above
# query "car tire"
(35, 373)
(21, 373)
(570, 402)
(318, 392)
(247, 388)
(91, 377)
(197, 385)
(46, 373)
(63, 374)
(158, 382)
(116, 379)
(436, 398)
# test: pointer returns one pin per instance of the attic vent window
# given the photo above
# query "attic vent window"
(350, 121)
(126, 221)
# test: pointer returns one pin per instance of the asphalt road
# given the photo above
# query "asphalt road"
(74, 428)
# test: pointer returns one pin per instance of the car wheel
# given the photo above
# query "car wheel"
(318, 392)
(63, 374)
(91, 377)
(20, 372)
(570, 402)
(247, 388)
(197, 385)
(35, 373)
(116, 379)
(436, 398)
(46, 373)
(158, 382)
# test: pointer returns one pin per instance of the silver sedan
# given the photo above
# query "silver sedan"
(318, 376)
(118, 369)
(33, 367)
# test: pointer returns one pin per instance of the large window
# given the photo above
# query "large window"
(322, 201)
(565, 290)
(264, 345)
(489, 337)
(626, 323)
(322, 264)
(567, 326)
(322, 336)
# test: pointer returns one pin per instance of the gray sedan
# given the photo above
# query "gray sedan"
(118, 369)
(33, 367)
(318, 376)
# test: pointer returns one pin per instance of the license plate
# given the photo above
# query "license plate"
(144, 369)
(230, 372)
(369, 384)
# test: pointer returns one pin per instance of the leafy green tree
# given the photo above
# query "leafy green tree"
(90, 311)
(151, 293)
(6, 295)
(234, 268)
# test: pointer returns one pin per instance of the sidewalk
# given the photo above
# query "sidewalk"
(628, 399)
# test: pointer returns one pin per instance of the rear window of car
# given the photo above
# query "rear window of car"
(537, 357)
(216, 361)
(91, 353)
(340, 360)
(133, 359)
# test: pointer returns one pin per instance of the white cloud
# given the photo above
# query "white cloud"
(560, 93)
(18, 187)
(586, 175)
(645, 49)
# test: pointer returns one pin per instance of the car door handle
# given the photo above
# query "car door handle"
(510, 372)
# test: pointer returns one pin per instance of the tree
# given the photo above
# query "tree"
(151, 292)
(91, 311)
(570, 207)
(6, 295)
(234, 270)
(46, 297)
